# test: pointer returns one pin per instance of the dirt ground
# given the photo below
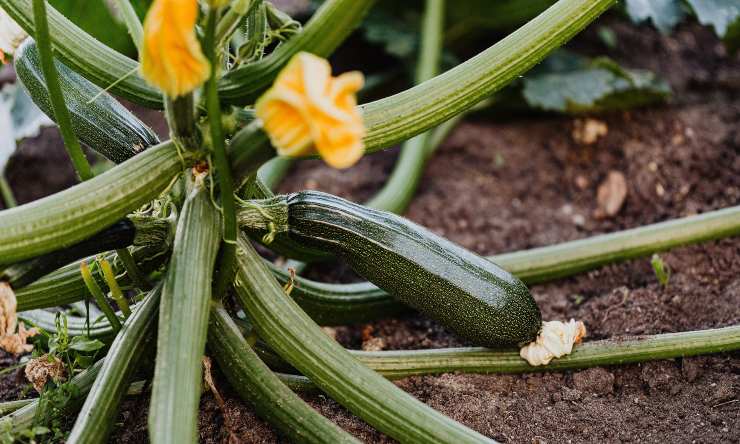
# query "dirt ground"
(504, 185)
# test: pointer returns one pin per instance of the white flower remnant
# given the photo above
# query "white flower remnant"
(555, 340)
(10, 341)
(11, 35)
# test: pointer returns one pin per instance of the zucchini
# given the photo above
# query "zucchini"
(468, 294)
(297, 339)
(99, 121)
(137, 230)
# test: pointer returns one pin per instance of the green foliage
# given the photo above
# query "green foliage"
(662, 272)
(31, 435)
(572, 84)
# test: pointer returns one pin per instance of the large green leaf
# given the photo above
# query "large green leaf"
(571, 84)
(665, 14)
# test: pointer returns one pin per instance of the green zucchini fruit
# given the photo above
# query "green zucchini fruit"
(466, 293)
(137, 230)
(99, 120)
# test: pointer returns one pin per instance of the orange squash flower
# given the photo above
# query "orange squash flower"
(308, 110)
(171, 58)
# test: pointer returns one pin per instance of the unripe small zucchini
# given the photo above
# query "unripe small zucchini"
(98, 119)
(468, 294)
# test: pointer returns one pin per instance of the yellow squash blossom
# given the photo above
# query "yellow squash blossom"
(171, 58)
(308, 110)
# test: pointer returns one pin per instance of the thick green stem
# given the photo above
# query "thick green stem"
(61, 113)
(329, 26)
(302, 343)
(223, 169)
(181, 119)
(400, 187)
(67, 217)
(7, 192)
(134, 272)
(254, 381)
(411, 112)
(100, 409)
(230, 20)
(183, 322)
(133, 24)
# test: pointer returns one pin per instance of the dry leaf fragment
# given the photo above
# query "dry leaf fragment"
(555, 340)
(588, 131)
(10, 341)
(611, 195)
(43, 368)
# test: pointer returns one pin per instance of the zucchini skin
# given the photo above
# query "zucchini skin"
(119, 235)
(103, 125)
(468, 294)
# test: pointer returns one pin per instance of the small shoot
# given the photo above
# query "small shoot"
(115, 289)
(97, 293)
(661, 270)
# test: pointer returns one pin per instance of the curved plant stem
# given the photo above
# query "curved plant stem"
(299, 340)
(399, 117)
(131, 19)
(183, 322)
(411, 112)
(254, 381)
(230, 20)
(95, 420)
(616, 351)
(399, 189)
(133, 270)
(101, 64)
(61, 113)
(74, 214)
(225, 269)
(329, 26)
(181, 119)
(11, 406)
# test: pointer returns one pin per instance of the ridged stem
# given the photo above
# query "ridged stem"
(290, 332)
(411, 112)
(95, 420)
(255, 383)
(61, 113)
(399, 189)
(183, 322)
(131, 19)
(7, 192)
(329, 26)
(230, 20)
(225, 269)
(74, 214)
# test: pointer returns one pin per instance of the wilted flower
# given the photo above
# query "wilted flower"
(43, 368)
(11, 35)
(10, 341)
(308, 110)
(555, 340)
(171, 58)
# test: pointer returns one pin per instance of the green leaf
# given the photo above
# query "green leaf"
(665, 14)
(571, 84)
(85, 344)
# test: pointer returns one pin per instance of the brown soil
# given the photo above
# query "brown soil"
(497, 186)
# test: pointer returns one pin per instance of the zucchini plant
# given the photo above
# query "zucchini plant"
(240, 82)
